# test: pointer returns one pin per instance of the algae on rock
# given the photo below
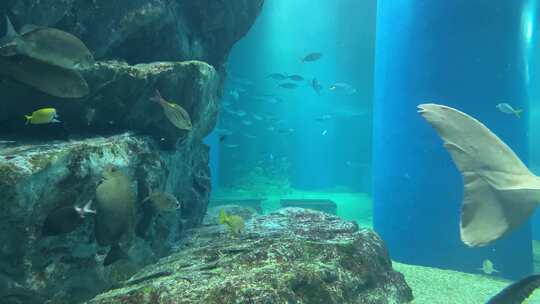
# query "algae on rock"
(36, 179)
(290, 256)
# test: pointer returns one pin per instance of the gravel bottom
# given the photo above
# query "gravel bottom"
(439, 286)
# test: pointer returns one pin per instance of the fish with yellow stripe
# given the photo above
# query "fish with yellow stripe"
(177, 115)
(42, 116)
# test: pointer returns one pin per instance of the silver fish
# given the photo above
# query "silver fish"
(508, 109)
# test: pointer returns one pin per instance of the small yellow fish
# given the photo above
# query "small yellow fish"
(234, 222)
(177, 115)
(42, 116)
(487, 267)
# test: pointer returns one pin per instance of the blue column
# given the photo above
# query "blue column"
(465, 54)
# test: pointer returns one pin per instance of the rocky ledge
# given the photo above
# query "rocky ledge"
(36, 179)
(290, 256)
(120, 101)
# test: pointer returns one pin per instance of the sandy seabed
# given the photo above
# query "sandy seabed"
(439, 286)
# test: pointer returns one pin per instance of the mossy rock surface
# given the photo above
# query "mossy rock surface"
(38, 178)
(291, 256)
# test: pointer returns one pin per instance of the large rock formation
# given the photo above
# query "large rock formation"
(290, 256)
(145, 30)
(177, 47)
(35, 180)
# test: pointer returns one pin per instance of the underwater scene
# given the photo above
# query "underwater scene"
(269, 151)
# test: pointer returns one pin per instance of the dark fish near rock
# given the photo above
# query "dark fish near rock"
(517, 292)
(288, 85)
(163, 201)
(296, 77)
(115, 212)
(278, 76)
(65, 219)
(312, 57)
(45, 44)
(316, 86)
(59, 82)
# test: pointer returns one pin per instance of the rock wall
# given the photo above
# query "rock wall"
(174, 46)
(145, 30)
(38, 179)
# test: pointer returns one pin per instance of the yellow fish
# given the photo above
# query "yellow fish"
(487, 267)
(234, 222)
(42, 116)
(177, 115)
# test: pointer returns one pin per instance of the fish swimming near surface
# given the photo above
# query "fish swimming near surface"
(177, 115)
(312, 57)
(500, 193)
(288, 85)
(60, 82)
(223, 138)
(235, 223)
(517, 292)
(508, 109)
(487, 267)
(324, 132)
(42, 116)
(115, 201)
(278, 76)
(45, 44)
(65, 219)
(163, 201)
(296, 77)
(317, 87)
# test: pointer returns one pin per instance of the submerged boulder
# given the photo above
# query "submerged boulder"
(291, 256)
(37, 179)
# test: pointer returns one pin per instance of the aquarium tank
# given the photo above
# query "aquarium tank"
(269, 151)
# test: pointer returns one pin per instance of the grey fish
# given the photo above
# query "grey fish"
(59, 82)
(296, 77)
(312, 57)
(343, 87)
(115, 211)
(278, 76)
(288, 85)
(517, 292)
(316, 86)
(163, 201)
(49, 45)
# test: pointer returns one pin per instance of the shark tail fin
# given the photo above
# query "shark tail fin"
(494, 203)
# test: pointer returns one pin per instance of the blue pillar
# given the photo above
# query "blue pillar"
(465, 54)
